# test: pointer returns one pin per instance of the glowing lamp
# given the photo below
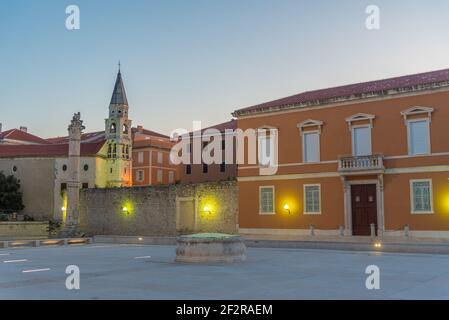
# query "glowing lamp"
(377, 245)
(207, 210)
(125, 210)
(63, 208)
(287, 208)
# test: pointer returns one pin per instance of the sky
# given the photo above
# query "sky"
(186, 60)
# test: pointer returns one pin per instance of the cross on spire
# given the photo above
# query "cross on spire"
(119, 65)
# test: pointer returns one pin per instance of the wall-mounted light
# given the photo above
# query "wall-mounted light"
(63, 209)
(125, 210)
(377, 245)
(287, 208)
(207, 210)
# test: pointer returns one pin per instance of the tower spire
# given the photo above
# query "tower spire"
(119, 94)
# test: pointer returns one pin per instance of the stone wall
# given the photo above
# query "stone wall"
(21, 229)
(37, 179)
(158, 210)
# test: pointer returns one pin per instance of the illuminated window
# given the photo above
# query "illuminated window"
(266, 200)
(312, 199)
(421, 196)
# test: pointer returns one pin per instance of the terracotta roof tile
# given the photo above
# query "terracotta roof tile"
(19, 135)
(351, 90)
(49, 150)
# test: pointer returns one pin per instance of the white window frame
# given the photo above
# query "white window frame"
(138, 177)
(305, 199)
(409, 140)
(318, 132)
(370, 137)
(140, 157)
(157, 176)
(412, 207)
(274, 200)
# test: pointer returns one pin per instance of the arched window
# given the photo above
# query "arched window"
(113, 128)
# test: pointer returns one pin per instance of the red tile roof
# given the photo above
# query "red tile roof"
(85, 137)
(19, 135)
(155, 142)
(49, 150)
(143, 131)
(231, 125)
(349, 91)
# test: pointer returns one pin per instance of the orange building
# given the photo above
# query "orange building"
(202, 172)
(151, 159)
(353, 157)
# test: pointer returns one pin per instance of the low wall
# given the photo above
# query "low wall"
(158, 210)
(23, 229)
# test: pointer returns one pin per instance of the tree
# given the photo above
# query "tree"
(10, 195)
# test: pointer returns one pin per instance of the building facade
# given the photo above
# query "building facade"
(151, 159)
(203, 172)
(354, 160)
(42, 165)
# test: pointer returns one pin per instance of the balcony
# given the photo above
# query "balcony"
(371, 164)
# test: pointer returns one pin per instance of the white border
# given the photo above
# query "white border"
(274, 201)
(412, 209)
(304, 186)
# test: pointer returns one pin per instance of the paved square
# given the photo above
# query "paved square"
(148, 272)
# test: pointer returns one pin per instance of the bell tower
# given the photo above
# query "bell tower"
(119, 137)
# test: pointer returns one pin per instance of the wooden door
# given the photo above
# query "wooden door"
(186, 216)
(364, 209)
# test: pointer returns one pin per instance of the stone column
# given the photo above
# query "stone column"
(73, 184)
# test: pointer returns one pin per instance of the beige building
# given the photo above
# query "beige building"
(42, 164)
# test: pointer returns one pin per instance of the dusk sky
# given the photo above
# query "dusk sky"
(200, 59)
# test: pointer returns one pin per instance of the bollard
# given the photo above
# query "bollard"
(342, 231)
(373, 230)
(312, 230)
(406, 230)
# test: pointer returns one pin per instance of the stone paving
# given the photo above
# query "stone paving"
(149, 272)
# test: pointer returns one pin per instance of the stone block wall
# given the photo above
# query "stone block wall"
(154, 210)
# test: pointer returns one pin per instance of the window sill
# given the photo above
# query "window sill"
(267, 213)
(311, 213)
(422, 212)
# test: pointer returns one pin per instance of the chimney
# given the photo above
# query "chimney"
(24, 129)
(139, 129)
(0, 127)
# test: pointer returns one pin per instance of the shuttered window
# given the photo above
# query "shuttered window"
(418, 137)
(311, 147)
